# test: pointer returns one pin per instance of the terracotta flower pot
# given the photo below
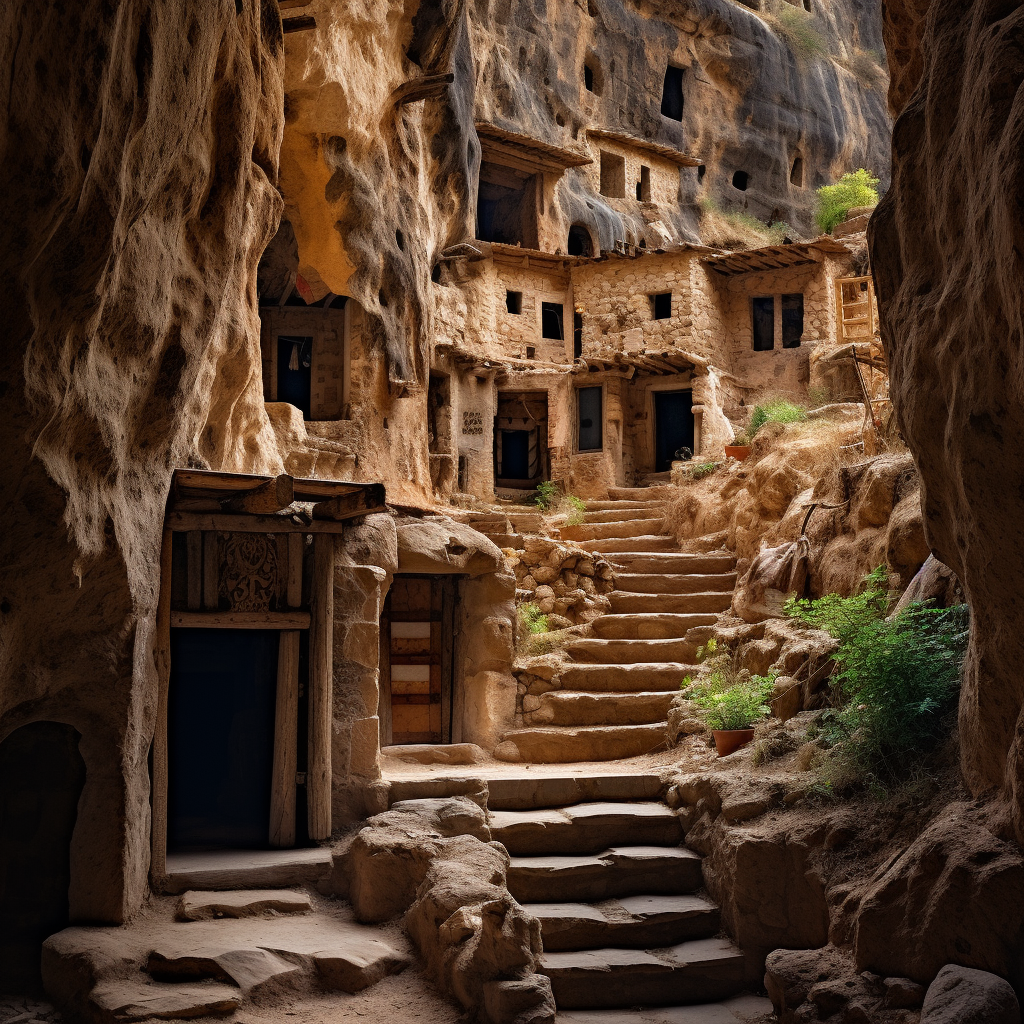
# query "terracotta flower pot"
(729, 740)
(737, 451)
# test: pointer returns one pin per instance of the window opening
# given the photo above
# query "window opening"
(792, 320)
(643, 186)
(505, 208)
(763, 316)
(613, 175)
(661, 306)
(514, 302)
(588, 78)
(551, 321)
(672, 93)
(796, 174)
(589, 408)
(531, 352)
(741, 180)
(580, 242)
(294, 372)
(701, 171)
(577, 335)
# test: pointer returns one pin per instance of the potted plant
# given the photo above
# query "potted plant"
(728, 699)
(740, 447)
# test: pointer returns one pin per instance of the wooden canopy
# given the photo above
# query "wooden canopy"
(634, 142)
(772, 257)
(658, 364)
(510, 149)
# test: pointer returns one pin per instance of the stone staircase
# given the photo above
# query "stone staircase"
(628, 936)
(613, 695)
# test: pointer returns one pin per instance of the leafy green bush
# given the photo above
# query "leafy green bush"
(805, 41)
(856, 188)
(532, 619)
(777, 410)
(735, 707)
(898, 683)
(577, 514)
(547, 495)
(699, 470)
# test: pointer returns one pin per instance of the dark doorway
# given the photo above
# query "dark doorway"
(763, 322)
(521, 439)
(672, 94)
(577, 335)
(792, 320)
(551, 321)
(673, 427)
(41, 778)
(506, 206)
(590, 430)
(294, 372)
(515, 454)
(220, 726)
(417, 660)
(579, 243)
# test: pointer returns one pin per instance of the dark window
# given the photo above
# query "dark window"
(643, 186)
(672, 94)
(792, 320)
(514, 302)
(577, 335)
(796, 174)
(701, 171)
(763, 312)
(588, 78)
(741, 180)
(531, 352)
(580, 242)
(294, 372)
(551, 321)
(661, 306)
(613, 175)
(588, 401)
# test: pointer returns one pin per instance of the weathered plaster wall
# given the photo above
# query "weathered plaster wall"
(945, 245)
(137, 209)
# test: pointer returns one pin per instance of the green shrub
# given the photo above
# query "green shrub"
(805, 42)
(857, 188)
(547, 495)
(898, 682)
(775, 411)
(532, 619)
(699, 470)
(577, 513)
(735, 707)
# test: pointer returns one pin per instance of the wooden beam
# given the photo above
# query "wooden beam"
(294, 593)
(211, 571)
(195, 570)
(286, 726)
(272, 496)
(346, 506)
(183, 522)
(321, 689)
(298, 24)
(240, 620)
(422, 88)
(162, 658)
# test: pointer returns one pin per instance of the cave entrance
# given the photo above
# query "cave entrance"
(673, 427)
(41, 778)
(521, 439)
(417, 660)
(506, 209)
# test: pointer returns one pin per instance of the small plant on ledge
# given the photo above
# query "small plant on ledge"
(547, 495)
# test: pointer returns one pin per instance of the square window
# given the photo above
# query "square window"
(589, 411)
(531, 352)
(551, 321)
(792, 320)
(613, 175)
(514, 302)
(661, 306)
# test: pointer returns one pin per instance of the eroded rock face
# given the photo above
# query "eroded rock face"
(945, 244)
(137, 208)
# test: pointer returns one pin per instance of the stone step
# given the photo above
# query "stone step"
(639, 493)
(621, 505)
(585, 828)
(702, 970)
(674, 562)
(649, 627)
(565, 744)
(626, 603)
(648, 544)
(245, 869)
(642, 678)
(594, 650)
(561, 707)
(648, 510)
(632, 922)
(675, 583)
(636, 527)
(531, 791)
(737, 1010)
(610, 874)
(207, 906)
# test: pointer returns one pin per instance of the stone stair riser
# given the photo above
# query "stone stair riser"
(650, 627)
(675, 583)
(570, 708)
(624, 603)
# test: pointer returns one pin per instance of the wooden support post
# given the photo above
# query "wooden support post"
(296, 544)
(321, 664)
(211, 571)
(195, 570)
(286, 723)
(269, 497)
(162, 657)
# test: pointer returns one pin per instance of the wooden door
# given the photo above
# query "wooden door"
(416, 660)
